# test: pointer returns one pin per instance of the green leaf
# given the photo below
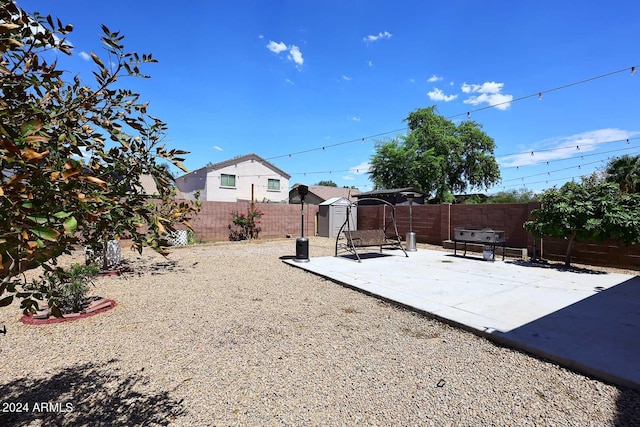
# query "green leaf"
(70, 225)
(46, 233)
(61, 214)
(6, 301)
(31, 127)
(39, 218)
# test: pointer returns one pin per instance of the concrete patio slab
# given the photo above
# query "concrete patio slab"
(586, 320)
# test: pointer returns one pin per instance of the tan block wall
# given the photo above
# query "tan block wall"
(432, 224)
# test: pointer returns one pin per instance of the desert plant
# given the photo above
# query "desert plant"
(75, 289)
(65, 289)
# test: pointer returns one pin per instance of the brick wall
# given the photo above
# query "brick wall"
(507, 217)
(611, 253)
(435, 223)
(212, 223)
(432, 224)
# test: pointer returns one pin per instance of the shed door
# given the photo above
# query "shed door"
(339, 217)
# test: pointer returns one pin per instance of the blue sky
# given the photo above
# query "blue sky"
(280, 77)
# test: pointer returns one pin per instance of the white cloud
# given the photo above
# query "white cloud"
(355, 119)
(85, 55)
(347, 78)
(434, 78)
(276, 47)
(565, 147)
(289, 81)
(382, 35)
(295, 55)
(260, 36)
(489, 93)
(370, 63)
(348, 177)
(412, 80)
(217, 148)
(360, 169)
(439, 95)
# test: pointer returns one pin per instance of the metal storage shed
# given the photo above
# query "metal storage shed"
(332, 213)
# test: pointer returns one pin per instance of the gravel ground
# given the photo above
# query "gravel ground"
(227, 334)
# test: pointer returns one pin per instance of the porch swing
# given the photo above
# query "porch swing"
(387, 237)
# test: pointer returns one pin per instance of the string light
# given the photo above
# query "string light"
(569, 158)
(565, 147)
(559, 170)
(539, 94)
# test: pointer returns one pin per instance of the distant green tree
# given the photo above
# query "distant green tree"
(589, 210)
(625, 171)
(327, 183)
(436, 156)
(513, 196)
(474, 200)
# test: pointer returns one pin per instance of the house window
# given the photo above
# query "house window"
(274, 185)
(227, 180)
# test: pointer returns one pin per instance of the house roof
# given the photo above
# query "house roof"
(391, 191)
(339, 201)
(240, 159)
(326, 192)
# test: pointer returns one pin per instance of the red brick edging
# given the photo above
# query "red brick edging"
(107, 304)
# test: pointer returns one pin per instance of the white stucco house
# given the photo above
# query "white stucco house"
(234, 180)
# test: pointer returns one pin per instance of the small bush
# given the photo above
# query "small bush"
(246, 225)
(67, 289)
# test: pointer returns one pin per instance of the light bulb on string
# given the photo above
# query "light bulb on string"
(633, 71)
(539, 96)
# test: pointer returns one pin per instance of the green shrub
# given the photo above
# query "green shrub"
(67, 289)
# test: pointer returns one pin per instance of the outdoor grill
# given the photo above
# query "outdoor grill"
(486, 236)
(479, 235)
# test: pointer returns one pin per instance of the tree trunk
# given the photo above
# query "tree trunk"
(572, 238)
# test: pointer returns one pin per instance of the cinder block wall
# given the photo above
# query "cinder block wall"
(212, 223)
(507, 217)
(432, 224)
(435, 223)
(610, 253)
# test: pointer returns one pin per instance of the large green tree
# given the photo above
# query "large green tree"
(625, 171)
(590, 210)
(72, 154)
(436, 156)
